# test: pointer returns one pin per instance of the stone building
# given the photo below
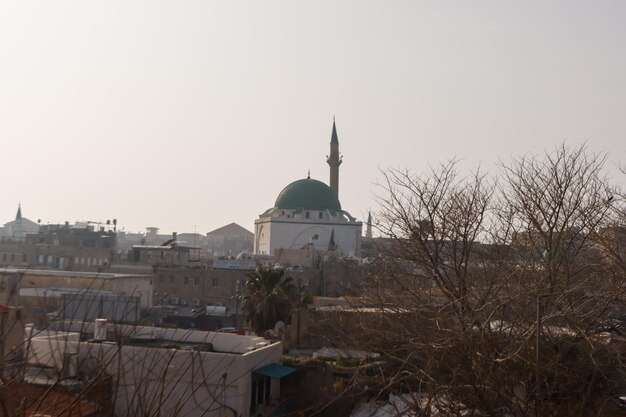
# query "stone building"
(229, 240)
(40, 290)
(67, 247)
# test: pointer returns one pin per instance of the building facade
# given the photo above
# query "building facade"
(308, 212)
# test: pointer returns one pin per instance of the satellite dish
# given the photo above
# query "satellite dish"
(279, 327)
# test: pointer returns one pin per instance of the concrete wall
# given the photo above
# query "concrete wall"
(165, 381)
(294, 235)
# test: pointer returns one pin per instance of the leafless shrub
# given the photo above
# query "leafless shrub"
(493, 295)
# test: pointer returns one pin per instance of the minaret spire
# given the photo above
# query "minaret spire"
(18, 216)
(368, 230)
(332, 246)
(334, 159)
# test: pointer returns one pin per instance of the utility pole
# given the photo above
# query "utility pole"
(237, 299)
(299, 311)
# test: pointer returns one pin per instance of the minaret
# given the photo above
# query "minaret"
(334, 160)
(18, 216)
(368, 230)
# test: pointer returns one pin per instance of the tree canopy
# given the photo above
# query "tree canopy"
(271, 296)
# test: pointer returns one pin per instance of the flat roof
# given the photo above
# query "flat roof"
(58, 273)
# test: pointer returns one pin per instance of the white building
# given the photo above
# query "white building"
(20, 227)
(166, 372)
(308, 212)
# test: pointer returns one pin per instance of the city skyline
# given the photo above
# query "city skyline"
(196, 116)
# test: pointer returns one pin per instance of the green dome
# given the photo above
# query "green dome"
(308, 194)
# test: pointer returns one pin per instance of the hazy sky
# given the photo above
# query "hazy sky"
(194, 114)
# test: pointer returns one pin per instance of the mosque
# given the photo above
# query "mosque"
(308, 212)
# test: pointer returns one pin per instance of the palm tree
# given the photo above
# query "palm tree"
(270, 297)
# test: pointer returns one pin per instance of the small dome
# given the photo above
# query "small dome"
(308, 194)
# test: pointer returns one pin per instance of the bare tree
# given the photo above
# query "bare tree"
(492, 295)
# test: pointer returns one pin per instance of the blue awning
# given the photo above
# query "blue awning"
(274, 370)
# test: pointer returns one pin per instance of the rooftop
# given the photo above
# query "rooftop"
(57, 273)
(231, 230)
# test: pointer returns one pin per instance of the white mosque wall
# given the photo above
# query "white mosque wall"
(272, 235)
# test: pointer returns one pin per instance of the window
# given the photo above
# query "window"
(41, 259)
(12, 257)
(214, 282)
(162, 279)
(196, 281)
(4, 256)
(186, 280)
(307, 215)
(24, 258)
(321, 214)
(195, 302)
(172, 279)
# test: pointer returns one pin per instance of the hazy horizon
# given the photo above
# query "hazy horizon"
(194, 115)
